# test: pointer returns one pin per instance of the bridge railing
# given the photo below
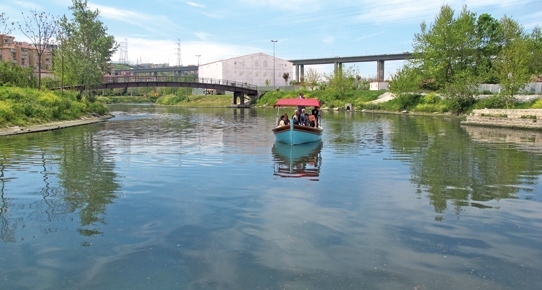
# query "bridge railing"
(185, 79)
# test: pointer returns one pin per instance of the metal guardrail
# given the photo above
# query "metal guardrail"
(167, 79)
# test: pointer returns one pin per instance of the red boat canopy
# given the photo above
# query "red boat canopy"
(297, 102)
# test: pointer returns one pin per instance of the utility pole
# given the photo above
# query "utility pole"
(274, 74)
(179, 61)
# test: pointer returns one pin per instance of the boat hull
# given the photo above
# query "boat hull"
(296, 134)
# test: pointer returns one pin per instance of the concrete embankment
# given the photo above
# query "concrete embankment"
(515, 118)
(53, 125)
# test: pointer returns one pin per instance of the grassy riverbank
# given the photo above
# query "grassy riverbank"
(383, 101)
(25, 107)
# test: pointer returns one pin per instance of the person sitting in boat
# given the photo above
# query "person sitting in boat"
(303, 118)
(286, 119)
(281, 121)
(313, 122)
(295, 118)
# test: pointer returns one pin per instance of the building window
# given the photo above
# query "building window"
(256, 63)
(265, 63)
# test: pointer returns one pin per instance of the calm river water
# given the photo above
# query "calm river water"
(179, 198)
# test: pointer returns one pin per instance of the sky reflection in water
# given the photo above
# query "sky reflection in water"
(178, 198)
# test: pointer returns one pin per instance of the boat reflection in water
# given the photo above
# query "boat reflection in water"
(299, 161)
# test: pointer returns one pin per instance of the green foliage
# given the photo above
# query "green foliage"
(443, 48)
(341, 81)
(311, 79)
(454, 54)
(23, 106)
(493, 102)
(513, 67)
(537, 105)
(430, 108)
(460, 93)
(13, 75)
(406, 80)
(172, 100)
(431, 98)
(327, 99)
(85, 48)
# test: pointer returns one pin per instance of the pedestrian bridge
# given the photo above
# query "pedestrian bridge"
(239, 89)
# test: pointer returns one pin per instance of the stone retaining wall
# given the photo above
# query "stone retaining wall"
(516, 118)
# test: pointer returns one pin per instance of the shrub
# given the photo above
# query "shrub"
(21, 106)
(431, 98)
(537, 104)
(430, 108)
(493, 102)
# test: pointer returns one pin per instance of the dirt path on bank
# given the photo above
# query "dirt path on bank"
(15, 130)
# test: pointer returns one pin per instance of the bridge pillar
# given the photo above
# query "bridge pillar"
(297, 73)
(302, 68)
(338, 67)
(380, 70)
(240, 96)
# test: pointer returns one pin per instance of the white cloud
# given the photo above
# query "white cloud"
(532, 20)
(405, 11)
(195, 4)
(142, 50)
(285, 4)
(28, 5)
(328, 39)
(368, 36)
(154, 24)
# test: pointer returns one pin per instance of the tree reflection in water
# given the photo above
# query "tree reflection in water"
(455, 170)
(76, 178)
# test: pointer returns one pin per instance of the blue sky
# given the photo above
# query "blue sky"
(217, 30)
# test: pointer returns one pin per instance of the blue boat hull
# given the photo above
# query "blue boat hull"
(295, 134)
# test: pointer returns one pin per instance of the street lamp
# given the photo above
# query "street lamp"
(274, 41)
(198, 55)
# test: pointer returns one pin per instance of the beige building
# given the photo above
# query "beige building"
(257, 69)
(8, 51)
(24, 54)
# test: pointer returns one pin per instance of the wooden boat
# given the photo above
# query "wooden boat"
(297, 134)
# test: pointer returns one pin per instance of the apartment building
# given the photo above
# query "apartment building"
(24, 54)
(8, 51)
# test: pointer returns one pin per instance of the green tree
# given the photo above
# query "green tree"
(85, 46)
(342, 80)
(12, 74)
(41, 29)
(487, 37)
(513, 68)
(445, 47)
(312, 78)
(535, 49)
(461, 91)
(286, 77)
(406, 80)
